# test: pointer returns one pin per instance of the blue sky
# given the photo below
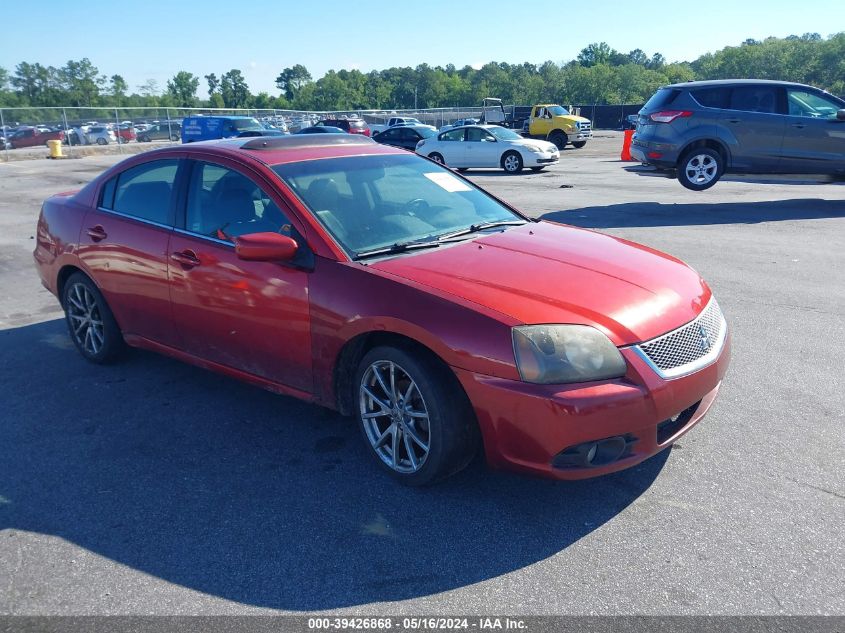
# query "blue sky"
(156, 39)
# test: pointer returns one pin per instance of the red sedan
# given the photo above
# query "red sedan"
(378, 283)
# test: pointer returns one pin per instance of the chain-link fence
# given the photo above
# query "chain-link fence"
(129, 130)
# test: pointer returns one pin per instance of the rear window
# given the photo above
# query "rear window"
(356, 124)
(755, 99)
(713, 97)
(661, 98)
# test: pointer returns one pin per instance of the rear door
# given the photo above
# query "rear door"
(815, 139)
(124, 247)
(755, 118)
(251, 316)
(452, 146)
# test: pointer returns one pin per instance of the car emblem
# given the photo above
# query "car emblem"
(704, 338)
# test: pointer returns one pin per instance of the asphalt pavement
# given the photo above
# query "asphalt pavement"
(153, 487)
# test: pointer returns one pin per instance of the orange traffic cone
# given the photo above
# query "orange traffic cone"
(626, 145)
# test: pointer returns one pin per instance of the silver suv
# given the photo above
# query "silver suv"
(704, 129)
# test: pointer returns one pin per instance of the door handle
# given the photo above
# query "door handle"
(734, 120)
(800, 126)
(187, 258)
(97, 233)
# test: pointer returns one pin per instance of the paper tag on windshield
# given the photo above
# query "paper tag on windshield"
(447, 182)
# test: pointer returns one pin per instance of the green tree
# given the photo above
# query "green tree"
(118, 87)
(82, 81)
(291, 80)
(597, 53)
(234, 90)
(183, 89)
(213, 84)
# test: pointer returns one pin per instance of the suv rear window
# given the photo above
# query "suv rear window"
(356, 124)
(661, 98)
(713, 97)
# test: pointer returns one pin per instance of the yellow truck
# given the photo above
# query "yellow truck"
(555, 124)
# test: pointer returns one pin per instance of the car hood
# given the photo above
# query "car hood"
(531, 142)
(550, 273)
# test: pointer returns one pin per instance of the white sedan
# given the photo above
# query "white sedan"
(488, 146)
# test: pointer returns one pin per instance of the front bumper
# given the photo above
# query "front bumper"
(530, 159)
(526, 426)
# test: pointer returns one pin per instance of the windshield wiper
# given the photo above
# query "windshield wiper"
(398, 247)
(475, 228)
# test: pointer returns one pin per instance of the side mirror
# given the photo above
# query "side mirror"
(266, 247)
(840, 115)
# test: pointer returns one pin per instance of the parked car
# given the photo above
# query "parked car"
(206, 128)
(369, 280)
(101, 135)
(32, 137)
(459, 123)
(352, 126)
(125, 133)
(705, 129)
(488, 146)
(397, 120)
(321, 129)
(405, 136)
(630, 122)
(160, 132)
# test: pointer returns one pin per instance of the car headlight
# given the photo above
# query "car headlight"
(550, 354)
(536, 150)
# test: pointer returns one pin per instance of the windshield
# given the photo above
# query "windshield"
(504, 133)
(368, 202)
(557, 111)
(245, 124)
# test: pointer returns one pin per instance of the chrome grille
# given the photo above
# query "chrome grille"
(688, 348)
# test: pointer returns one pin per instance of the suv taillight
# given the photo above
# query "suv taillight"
(667, 116)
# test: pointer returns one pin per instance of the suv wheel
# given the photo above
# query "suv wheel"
(700, 168)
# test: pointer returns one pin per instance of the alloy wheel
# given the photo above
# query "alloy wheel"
(701, 169)
(85, 319)
(395, 417)
(511, 162)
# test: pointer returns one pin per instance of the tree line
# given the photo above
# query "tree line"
(599, 75)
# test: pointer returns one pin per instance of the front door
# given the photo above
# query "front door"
(815, 139)
(251, 316)
(481, 148)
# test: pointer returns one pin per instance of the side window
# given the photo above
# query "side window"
(811, 104)
(145, 191)
(477, 134)
(389, 134)
(754, 99)
(713, 97)
(224, 204)
(452, 135)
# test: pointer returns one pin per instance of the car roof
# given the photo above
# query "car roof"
(733, 82)
(277, 150)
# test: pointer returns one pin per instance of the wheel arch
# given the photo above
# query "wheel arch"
(354, 350)
(63, 275)
(708, 143)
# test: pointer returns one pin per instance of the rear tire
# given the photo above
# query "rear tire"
(102, 141)
(90, 321)
(512, 162)
(700, 168)
(463, 169)
(419, 424)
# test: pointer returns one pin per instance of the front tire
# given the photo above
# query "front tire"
(415, 419)
(512, 162)
(578, 144)
(90, 321)
(700, 168)
(559, 139)
(102, 141)
(437, 158)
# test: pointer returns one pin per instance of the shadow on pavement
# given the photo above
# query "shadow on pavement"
(222, 488)
(649, 214)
